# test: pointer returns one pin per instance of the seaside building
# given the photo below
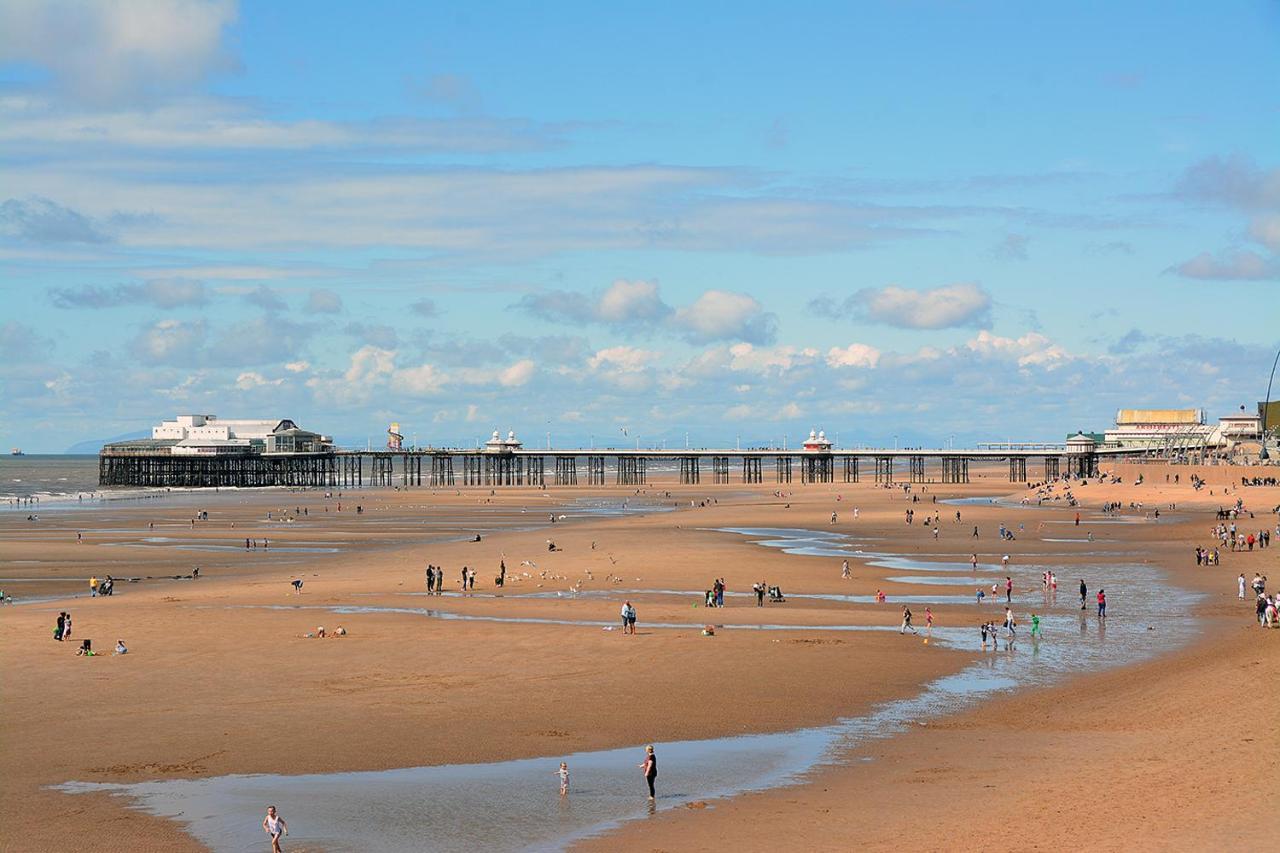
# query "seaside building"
(205, 450)
(817, 442)
(1158, 428)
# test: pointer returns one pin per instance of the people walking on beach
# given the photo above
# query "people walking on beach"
(431, 578)
(928, 621)
(59, 626)
(844, 570)
(93, 587)
(1240, 581)
(982, 629)
(628, 618)
(1102, 604)
(650, 769)
(1084, 593)
(759, 589)
(973, 562)
(1035, 625)
(1010, 623)
(906, 622)
(274, 826)
(563, 773)
(297, 586)
(1008, 589)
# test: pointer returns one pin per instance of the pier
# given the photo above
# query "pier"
(507, 464)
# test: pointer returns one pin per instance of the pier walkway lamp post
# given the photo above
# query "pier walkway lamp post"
(1266, 405)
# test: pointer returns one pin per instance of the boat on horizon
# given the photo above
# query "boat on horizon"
(16, 451)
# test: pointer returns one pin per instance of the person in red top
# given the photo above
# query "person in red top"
(1008, 589)
(1102, 604)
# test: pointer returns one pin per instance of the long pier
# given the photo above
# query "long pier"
(452, 467)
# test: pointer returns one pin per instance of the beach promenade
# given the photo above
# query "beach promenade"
(806, 724)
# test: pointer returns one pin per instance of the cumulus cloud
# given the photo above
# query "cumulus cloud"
(20, 343)
(182, 343)
(949, 306)
(1236, 181)
(773, 361)
(298, 366)
(378, 370)
(251, 379)
(1233, 265)
(623, 358)
(171, 341)
(638, 305)
(719, 315)
(622, 303)
(36, 219)
(1266, 230)
(1030, 350)
(854, 355)
(265, 298)
(517, 374)
(421, 381)
(117, 50)
(323, 301)
(161, 293)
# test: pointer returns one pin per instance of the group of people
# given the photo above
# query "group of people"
(467, 578)
(1265, 605)
(106, 586)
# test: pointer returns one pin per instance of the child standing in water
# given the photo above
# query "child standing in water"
(563, 773)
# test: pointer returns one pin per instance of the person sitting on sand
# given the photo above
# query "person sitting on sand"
(320, 632)
(120, 648)
(339, 632)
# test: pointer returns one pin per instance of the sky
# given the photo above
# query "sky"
(635, 223)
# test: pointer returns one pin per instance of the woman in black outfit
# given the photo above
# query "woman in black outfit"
(650, 768)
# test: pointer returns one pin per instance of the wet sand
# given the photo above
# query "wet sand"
(220, 679)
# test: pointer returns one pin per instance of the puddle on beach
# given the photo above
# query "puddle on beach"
(403, 808)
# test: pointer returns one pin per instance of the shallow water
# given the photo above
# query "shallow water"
(515, 805)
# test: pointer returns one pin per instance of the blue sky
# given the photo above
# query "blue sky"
(980, 220)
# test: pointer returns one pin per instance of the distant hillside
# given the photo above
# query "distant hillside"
(93, 445)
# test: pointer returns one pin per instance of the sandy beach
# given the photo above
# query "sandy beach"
(221, 678)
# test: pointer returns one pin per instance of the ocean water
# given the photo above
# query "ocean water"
(48, 477)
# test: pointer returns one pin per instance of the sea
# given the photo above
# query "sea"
(49, 477)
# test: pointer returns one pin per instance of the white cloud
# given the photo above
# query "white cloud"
(171, 342)
(421, 381)
(623, 358)
(630, 301)
(298, 366)
(252, 379)
(1266, 230)
(759, 412)
(517, 374)
(964, 304)
(854, 355)
(722, 315)
(1237, 265)
(1032, 349)
(117, 50)
(323, 301)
